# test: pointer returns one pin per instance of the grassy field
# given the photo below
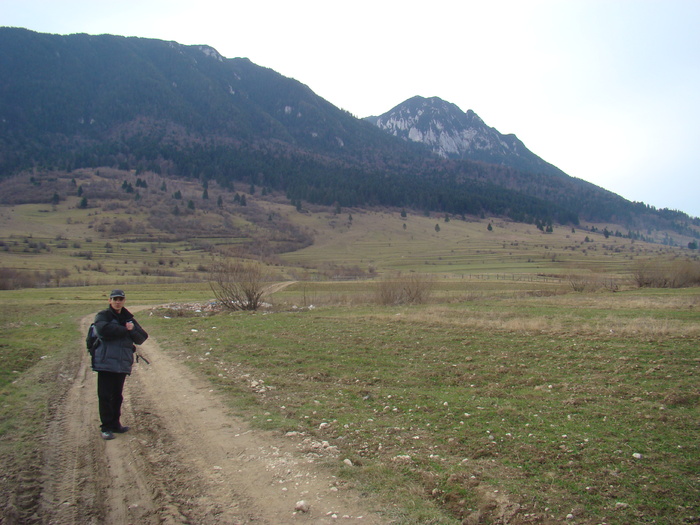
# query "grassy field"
(567, 404)
(500, 400)
(383, 240)
(37, 359)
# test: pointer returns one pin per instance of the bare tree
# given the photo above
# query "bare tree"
(238, 285)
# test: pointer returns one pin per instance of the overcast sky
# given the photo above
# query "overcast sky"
(606, 90)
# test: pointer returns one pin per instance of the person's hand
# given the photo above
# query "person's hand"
(129, 325)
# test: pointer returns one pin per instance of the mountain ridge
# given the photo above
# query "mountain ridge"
(453, 134)
(143, 104)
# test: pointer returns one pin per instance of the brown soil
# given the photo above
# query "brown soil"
(186, 459)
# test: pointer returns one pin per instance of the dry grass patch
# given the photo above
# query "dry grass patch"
(566, 315)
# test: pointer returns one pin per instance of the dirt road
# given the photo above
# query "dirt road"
(185, 460)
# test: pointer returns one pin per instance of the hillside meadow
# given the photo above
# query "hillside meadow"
(92, 227)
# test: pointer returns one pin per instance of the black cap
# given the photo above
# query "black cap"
(117, 293)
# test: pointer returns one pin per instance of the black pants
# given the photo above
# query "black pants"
(109, 393)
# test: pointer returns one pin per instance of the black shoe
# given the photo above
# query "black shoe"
(120, 430)
(107, 434)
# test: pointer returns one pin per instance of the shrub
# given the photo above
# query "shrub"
(12, 279)
(655, 273)
(411, 288)
(579, 283)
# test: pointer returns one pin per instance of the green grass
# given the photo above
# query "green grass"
(545, 398)
(537, 398)
(40, 350)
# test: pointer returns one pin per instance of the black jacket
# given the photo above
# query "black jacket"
(115, 353)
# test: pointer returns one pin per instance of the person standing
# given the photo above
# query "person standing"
(118, 333)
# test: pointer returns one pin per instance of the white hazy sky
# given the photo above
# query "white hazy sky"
(606, 90)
